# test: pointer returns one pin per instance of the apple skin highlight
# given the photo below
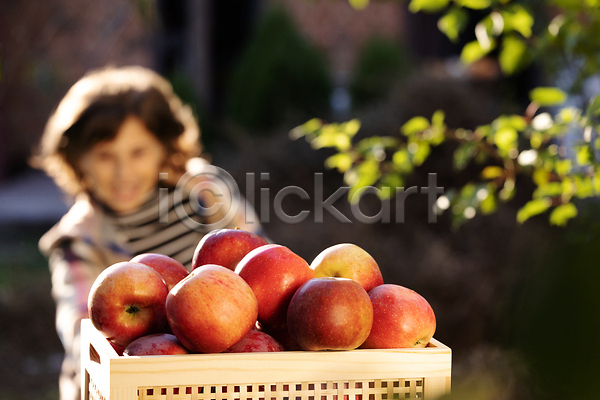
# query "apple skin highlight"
(347, 260)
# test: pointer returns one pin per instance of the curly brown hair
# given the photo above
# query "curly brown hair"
(95, 107)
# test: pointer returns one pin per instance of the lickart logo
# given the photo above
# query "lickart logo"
(225, 199)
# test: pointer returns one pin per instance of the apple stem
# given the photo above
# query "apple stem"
(132, 309)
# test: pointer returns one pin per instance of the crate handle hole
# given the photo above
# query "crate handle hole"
(94, 356)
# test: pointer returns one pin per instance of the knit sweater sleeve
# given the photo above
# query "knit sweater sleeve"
(74, 266)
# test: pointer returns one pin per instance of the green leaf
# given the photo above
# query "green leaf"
(562, 214)
(492, 172)
(375, 144)
(508, 190)
(512, 54)
(427, 5)
(341, 161)
(414, 125)
(484, 130)
(593, 108)
(596, 184)
(392, 181)
(468, 191)
(583, 155)
(473, 51)
(365, 174)
(463, 154)
(332, 136)
(532, 208)
(536, 139)
(547, 96)
(569, 188)
(351, 127)
(453, 23)
(550, 189)
(518, 18)
(506, 138)
(563, 167)
(437, 119)
(489, 204)
(584, 187)
(309, 127)
(420, 153)
(312, 125)
(359, 4)
(567, 115)
(401, 160)
(474, 4)
(516, 122)
(540, 176)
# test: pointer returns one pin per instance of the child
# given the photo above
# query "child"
(119, 142)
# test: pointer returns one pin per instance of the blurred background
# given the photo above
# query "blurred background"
(518, 304)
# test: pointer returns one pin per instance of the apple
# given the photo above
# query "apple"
(211, 309)
(255, 341)
(155, 344)
(225, 247)
(282, 337)
(401, 318)
(330, 314)
(274, 273)
(117, 348)
(347, 260)
(170, 269)
(127, 301)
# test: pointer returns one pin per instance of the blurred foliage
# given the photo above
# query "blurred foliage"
(509, 146)
(569, 40)
(257, 101)
(381, 62)
(558, 152)
(561, 33)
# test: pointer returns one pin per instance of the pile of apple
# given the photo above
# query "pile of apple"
(244, 294)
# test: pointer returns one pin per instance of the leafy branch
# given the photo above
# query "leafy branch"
(559, 152)
(564, 35)
(509, 146)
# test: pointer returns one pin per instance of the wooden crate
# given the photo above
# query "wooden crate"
(289, 375)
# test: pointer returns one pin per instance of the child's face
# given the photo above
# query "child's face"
(123, 172)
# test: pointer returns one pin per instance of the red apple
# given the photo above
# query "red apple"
(347, 260)
(170, 269)
(155, 344)
(274, 273)
(225, 247)
(401, 318)
(117, 348)
(255, 341)
(330, 314)
(127, 301)
(211, 310)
